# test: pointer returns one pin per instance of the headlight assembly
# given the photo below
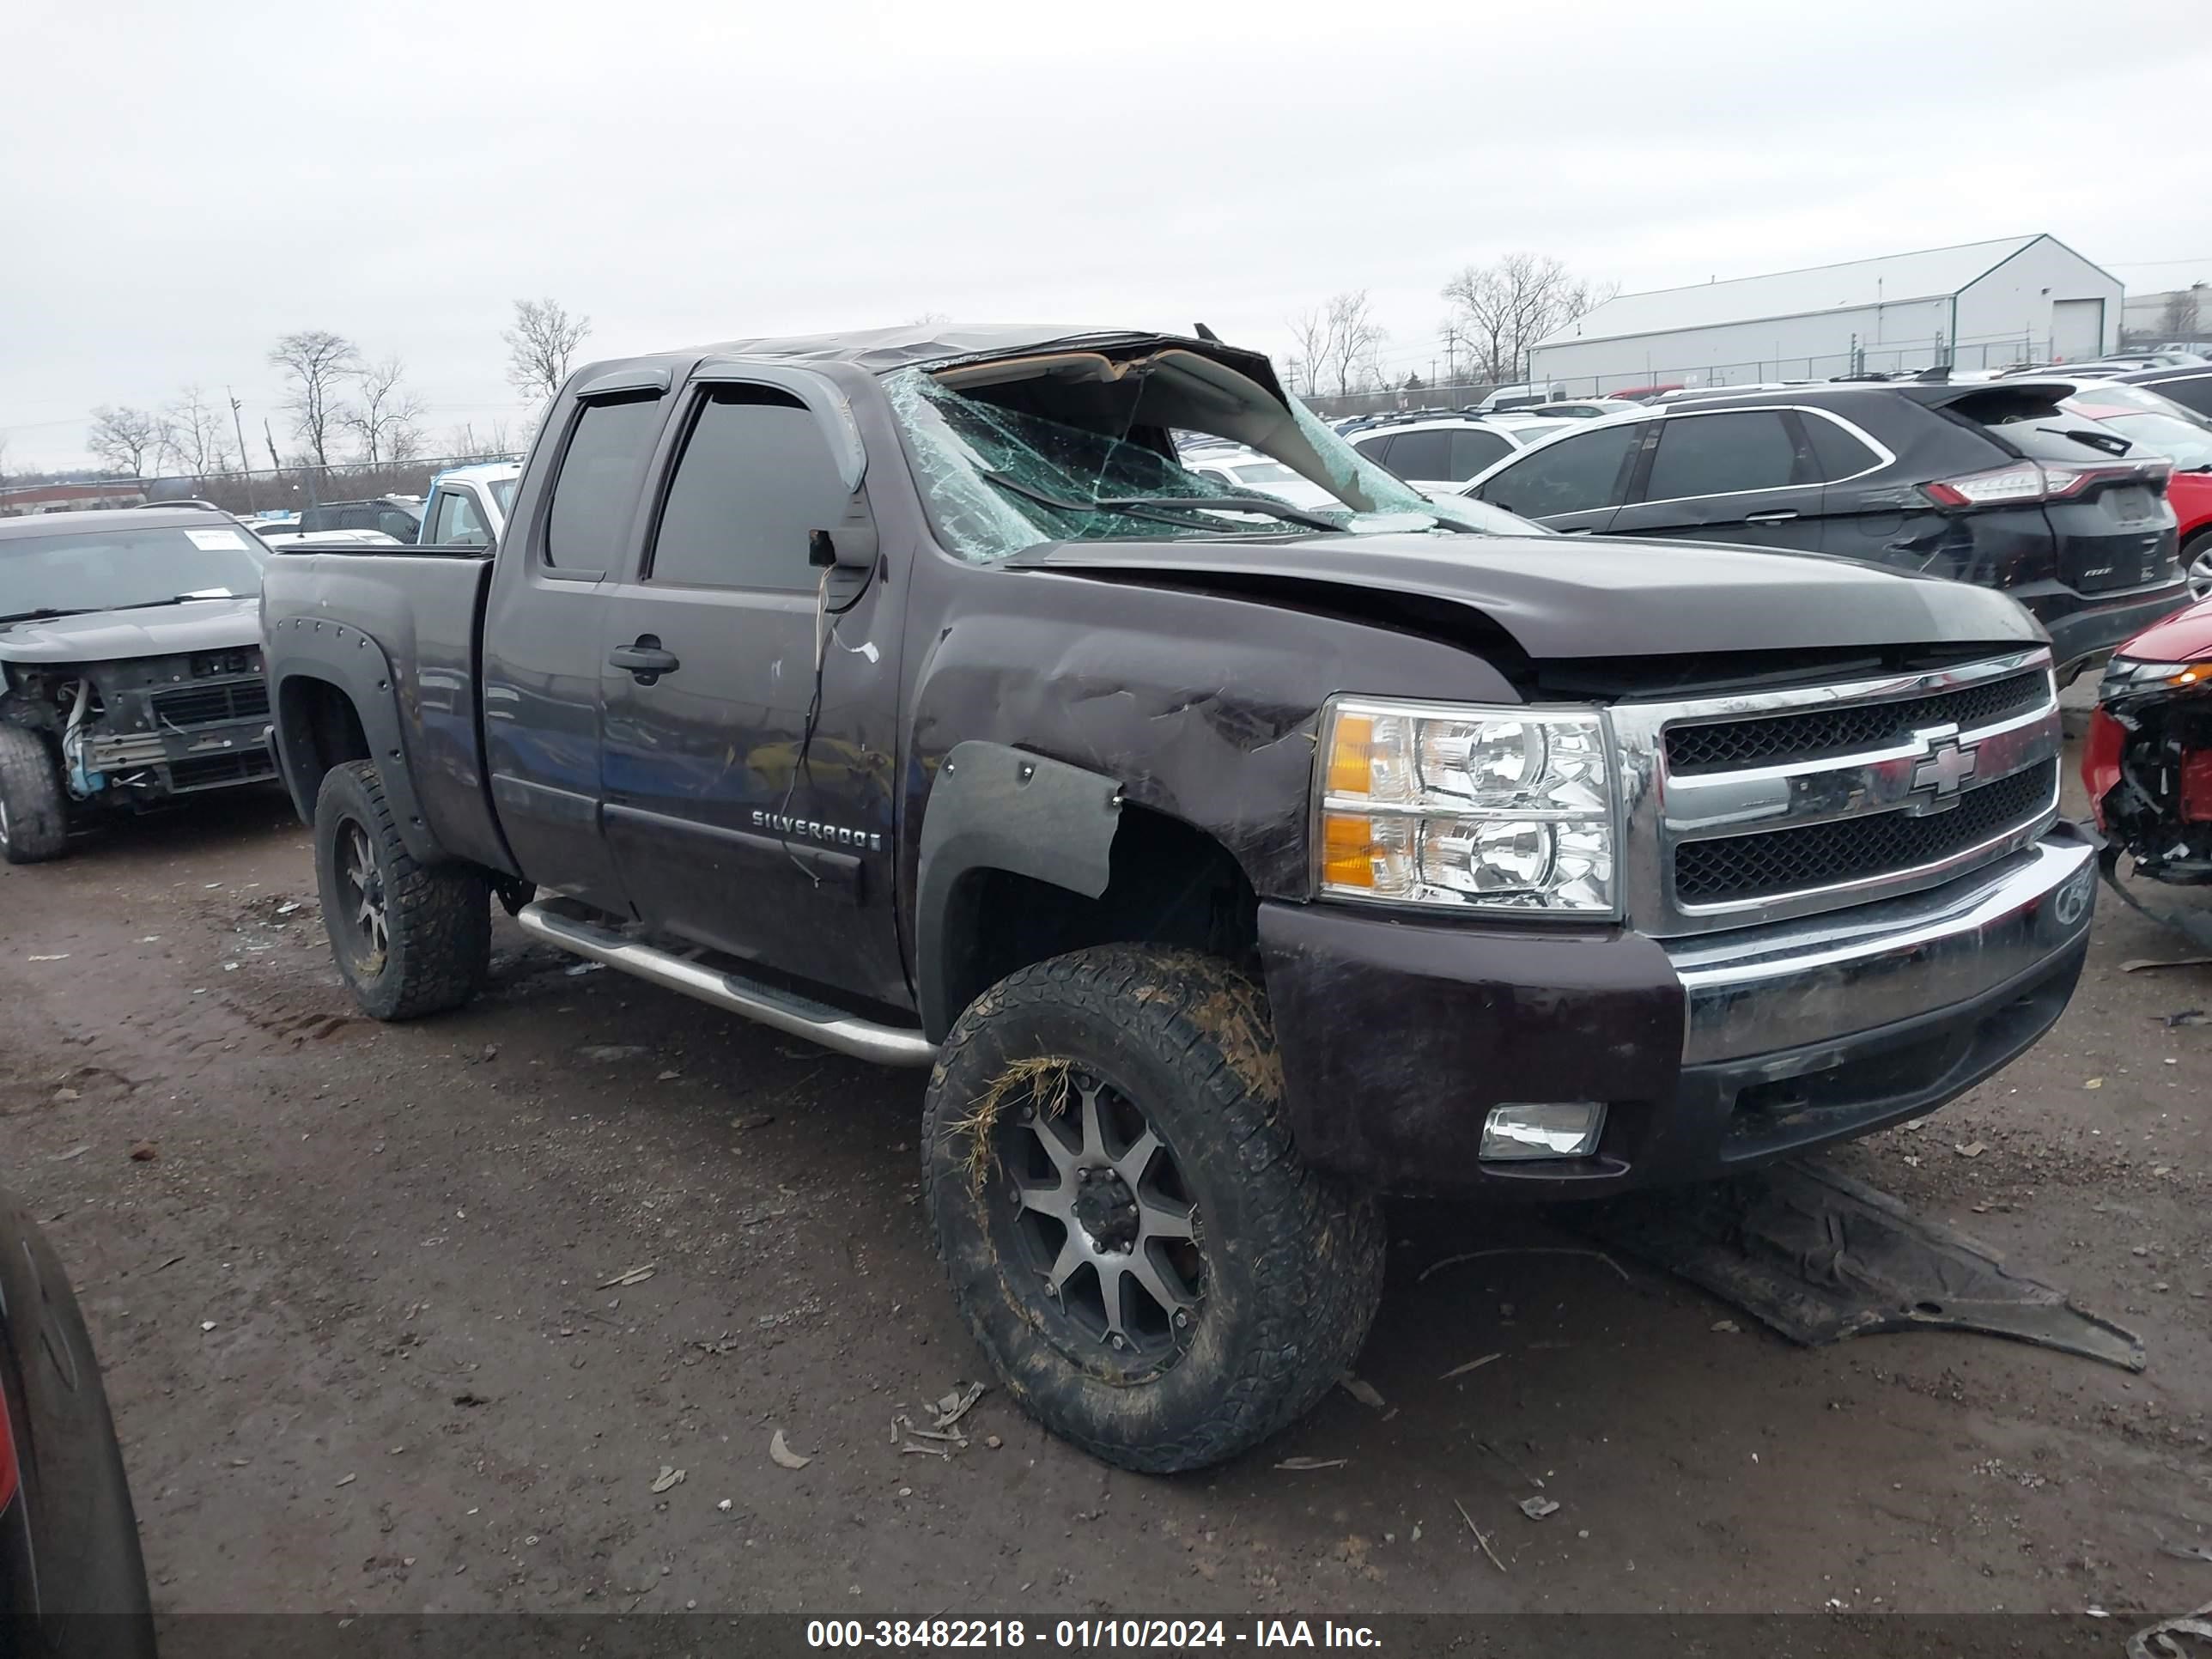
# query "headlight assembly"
(1467, 806)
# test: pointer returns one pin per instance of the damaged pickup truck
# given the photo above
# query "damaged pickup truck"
(132, 656)
(1231, 863)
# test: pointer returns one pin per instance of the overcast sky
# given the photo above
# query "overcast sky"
(180, 184)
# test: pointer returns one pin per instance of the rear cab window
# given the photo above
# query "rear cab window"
(596, 487)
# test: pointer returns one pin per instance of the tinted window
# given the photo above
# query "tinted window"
(598, 479)
(1836, 453)
(2193, 393)
(1473, 450)
(1721, 454)
(755, 478)
(1374, 448)
(457, 522)
(1570, 474)
(1422, 455)
(399, 526)
(92, 570)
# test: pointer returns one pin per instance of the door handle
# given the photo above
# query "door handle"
(1579, 530)
(645, 659)
(1781, 516)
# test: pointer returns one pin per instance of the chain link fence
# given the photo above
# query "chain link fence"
(291, 488)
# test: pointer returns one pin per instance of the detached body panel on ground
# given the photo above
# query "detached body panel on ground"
(903, 690)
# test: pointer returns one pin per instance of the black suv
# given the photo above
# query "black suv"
(1988, 483)
(398, 518)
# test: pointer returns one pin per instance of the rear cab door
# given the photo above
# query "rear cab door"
(544, 629)
(1573, 485)
(1727, 475)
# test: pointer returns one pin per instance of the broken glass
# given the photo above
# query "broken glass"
(999, 481)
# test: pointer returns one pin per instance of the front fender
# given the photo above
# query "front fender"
(993, 807)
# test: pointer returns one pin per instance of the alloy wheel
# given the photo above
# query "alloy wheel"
(363, 916)
(1104, 1222)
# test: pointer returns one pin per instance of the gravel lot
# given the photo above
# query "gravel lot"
(352, 1284)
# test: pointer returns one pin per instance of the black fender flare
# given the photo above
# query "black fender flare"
(995, 807)
(340, 655)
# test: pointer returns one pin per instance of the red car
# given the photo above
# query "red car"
(2147, 764)
(2143, 418)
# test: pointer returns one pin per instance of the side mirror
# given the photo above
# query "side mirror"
(850, 544)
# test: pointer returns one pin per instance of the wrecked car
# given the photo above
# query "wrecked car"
(131, 648)
(2147, 765)
(1227, 862)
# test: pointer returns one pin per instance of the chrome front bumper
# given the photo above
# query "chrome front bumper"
(1788, 987)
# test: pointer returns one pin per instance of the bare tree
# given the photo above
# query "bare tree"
(191, 435)
(1310, 331)
(3, 458)
(385, 418)
(465, 443)
(1500, 311)
(1353, 337)
(124, 438)
(541, 345)
(2181, 317)
(317, 364)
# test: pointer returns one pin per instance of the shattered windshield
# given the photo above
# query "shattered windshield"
(999, 480)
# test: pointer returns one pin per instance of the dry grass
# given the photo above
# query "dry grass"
(1046, 1079)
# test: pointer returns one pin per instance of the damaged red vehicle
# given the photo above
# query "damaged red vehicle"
(2147, 764)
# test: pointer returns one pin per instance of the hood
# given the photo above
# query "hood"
(1562, 597)
(2185, 637)
(160, 630)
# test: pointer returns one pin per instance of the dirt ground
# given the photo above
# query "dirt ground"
(359, 1332)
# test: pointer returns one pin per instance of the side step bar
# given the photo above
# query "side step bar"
(571, 928)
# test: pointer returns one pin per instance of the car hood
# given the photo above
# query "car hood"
(2185, 637)
(163, 631)
(1563, 597)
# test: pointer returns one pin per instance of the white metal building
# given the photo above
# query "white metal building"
(1980, 305)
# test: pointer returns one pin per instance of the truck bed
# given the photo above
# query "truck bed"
(421, 609)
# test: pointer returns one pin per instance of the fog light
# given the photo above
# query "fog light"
(1542, 1128)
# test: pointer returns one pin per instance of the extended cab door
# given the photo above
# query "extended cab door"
(1732, 475)
(544, 637)
(1573, 484)
(750, 732)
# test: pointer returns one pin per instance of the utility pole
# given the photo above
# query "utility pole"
(238, 425)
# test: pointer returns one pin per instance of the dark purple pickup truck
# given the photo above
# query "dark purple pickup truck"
(1230, 862)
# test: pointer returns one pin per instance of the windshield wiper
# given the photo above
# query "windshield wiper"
(45, 610)
(181, 599)
(1146, 507)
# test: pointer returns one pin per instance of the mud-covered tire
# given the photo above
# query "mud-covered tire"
(34, 816)
(436, 932)
(1290, 1263)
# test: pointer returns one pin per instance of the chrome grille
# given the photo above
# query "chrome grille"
(1851, 849)
(1726, 745)
(1753, 807)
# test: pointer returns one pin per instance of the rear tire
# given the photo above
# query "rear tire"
(409, 938)
(1154, 1273)
(34, 816)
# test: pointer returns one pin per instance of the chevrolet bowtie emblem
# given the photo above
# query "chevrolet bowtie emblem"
(1943, 773)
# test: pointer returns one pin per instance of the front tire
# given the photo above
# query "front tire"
(1154, 1273)
(33, 816)
(409, 938)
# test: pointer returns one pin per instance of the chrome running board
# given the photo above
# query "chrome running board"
(571, 928)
